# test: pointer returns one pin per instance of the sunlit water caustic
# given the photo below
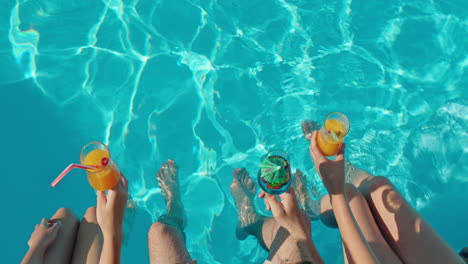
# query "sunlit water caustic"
(214, 85)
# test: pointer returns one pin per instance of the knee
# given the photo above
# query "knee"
(374, 183)
(379, 181)
(326, 213)
(158, 229)
(90, 215)
(381, 189)
(351, 191)
(66, 214)
(68, 219)
(91, 212)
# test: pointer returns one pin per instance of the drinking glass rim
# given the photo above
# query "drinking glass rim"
(98, 143)
(279, 150)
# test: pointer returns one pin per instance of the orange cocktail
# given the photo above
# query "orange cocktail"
(107, 174)
(331, 135)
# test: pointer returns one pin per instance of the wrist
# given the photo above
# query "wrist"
(37, 250)
(308, 251)
(35, 254)
(114, 235)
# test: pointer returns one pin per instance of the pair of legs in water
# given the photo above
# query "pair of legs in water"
(64, 239)
(166, 238)
(394, 230)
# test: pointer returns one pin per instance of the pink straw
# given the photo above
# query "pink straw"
(68, 169)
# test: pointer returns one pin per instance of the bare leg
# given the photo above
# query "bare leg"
(249, 221)
(268, 232)
(405, 231)
(166, 244)
(88, 245)
(166, 238)
(61, 250)
(410, 236)
(322, 208)
(368, 226)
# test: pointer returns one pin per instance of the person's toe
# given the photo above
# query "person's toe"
(172, 166)
(160, 175)
(243, 177)
(250, 186)
(298, 173)
(235, 181)
(237, 173)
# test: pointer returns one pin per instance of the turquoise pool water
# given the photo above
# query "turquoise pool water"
(214, 85)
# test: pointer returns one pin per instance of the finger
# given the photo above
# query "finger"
(267, 205)
(53, 231)
(290, 193)
(113, 192)
(124, 182)
(120, 190)
(276, 207)
(112, 196)
(55, 228)
(340, 155)
(101, 199)
(261, 194)
(315, 151)
(44, 222)
(288, 199)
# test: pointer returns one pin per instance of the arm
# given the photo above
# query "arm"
(309, 251)
(33, 256)
(332, 175)
(110, 213)
(111, 248)
(42, 237)
(352, 237)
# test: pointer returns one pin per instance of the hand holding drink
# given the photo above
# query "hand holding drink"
(331, 171)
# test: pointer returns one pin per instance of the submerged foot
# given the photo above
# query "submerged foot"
(308, 127)
(167, 178)
(243, 191)
(311, 207)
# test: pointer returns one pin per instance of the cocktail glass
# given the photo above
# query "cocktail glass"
(330, 136)
(106, 174)
(274, 176)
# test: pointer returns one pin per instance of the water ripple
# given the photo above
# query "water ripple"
(215, 84)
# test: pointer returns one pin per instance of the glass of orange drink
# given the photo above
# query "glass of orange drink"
(106, 175)
(330, 136)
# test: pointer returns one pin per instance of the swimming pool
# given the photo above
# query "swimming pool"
(214, 85)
